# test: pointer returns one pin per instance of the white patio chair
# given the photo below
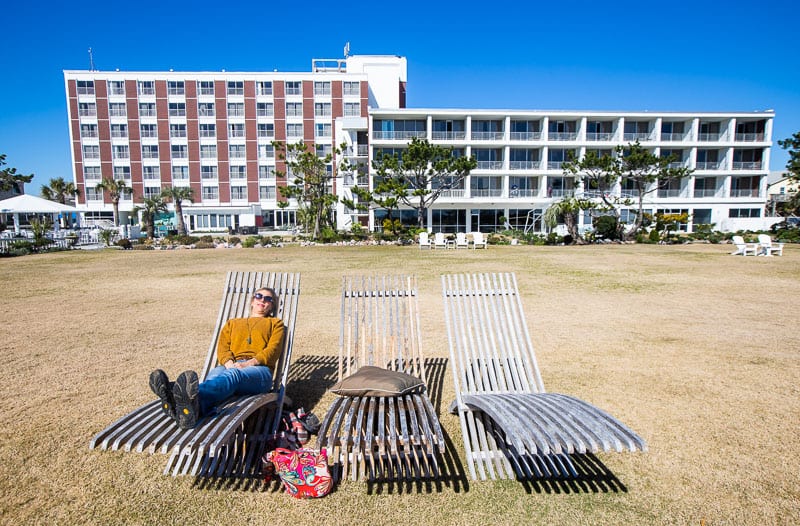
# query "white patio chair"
(767, 247)
(742, 248)
(478, 240)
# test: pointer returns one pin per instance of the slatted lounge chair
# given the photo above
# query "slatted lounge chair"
(742, 248)
(229, 443)
(512, 428)
(389, 437)
(424, 240)
(768, 247)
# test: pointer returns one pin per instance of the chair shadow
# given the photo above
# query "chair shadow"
(592, 477)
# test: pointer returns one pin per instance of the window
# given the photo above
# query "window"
(150, 173)
(266, 151)
(238, 172)
(87, 109)
(235, 130)
(116, 87)
(93, 194)
(91, 173)
(85, 87)
(236, 109)
(294, 130)
(599, 130)
(208, 151)
(180, 151)
(636, 130)
(235, 87)
(177, 130)
(116, 109)
(266, 130)
(264, 88)
(351, 88)
(238, 192)
(744, 212)
(237, 151)
(323, 150)
(265, 109)
(180, 173)
(121, 152)
(205, 109)
(294, 109)
(294, 88)
(205, 87)
(147, 87)
(175, 87)
(208, 130)
(122, 172)
(119, 130)
(322, 109)
(671, 131)
(322, 130)
(352, 109)
(148, 130)
(322, 88)
(149, 151)
(152, 191)
(709, 131)
(147, 109)
(208, 172)
(266, 192)
(88, 130)
(705, 186)
(701, 216)
(177, 109)
(561, 130)
(210, 192)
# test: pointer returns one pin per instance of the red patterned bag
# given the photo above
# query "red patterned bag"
(304, 472)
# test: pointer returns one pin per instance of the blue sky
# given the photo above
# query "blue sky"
(574, 55)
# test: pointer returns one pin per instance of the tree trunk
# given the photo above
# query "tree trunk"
(181, 222)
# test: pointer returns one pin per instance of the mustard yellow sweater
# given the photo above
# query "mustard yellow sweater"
(245, 338)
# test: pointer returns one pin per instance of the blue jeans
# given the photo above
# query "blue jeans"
(222, 383)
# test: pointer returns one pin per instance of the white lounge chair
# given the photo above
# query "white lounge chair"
(439, 240)
(742, 248)
(767, 247)
(461, 240)
(424, 240)
(478, 240)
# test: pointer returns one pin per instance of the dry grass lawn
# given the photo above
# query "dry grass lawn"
(694, 349)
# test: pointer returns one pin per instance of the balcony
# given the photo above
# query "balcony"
(637, 136)
(677, 164)
(486, 192)
(749, 137)
(704, 192)
(561, 192)
(455, 193)
(524, 165)
(669, 192)
(747, 165)
(709, 137)
(562, 136)
(362, 150)
(487, 135)
(516, 193)
(708, 165)
(526, 136)
(673, 137)
(489, 165)
(555, 165)
(599, 136)
(744, 192)
(449, 135)
(398, 135)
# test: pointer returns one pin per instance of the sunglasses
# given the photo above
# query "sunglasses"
(263, 297)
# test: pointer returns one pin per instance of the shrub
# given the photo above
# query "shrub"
(329, 235)
(124, 243)
(606, 226)
(207, 239)
(204, 244)
(234, 240)
(250, 241)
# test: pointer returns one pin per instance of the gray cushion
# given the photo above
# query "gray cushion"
(376, 381)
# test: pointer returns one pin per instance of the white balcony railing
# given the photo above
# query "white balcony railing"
(449, 135)
(561, 192)
(669, 192)
(489, 165)
(705, 192)
(749, 137)
(744, 192)
(487, 136)
(708, 165)
(398, 135)
(746, 165)
(708, 137)
(486, 192)
(672, 137)
(638, 136)
(526, 136)
(456, 193)
(523, 192)
(599, 136)
(555, 165)
(524, 165)
(562, 136)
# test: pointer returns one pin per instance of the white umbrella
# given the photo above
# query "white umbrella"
(30, 204)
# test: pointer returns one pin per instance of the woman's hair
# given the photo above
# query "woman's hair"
(275, 298)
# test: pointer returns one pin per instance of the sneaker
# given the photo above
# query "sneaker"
(187, 403)
(160, 385)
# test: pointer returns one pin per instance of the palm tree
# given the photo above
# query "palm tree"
(567, 210)
(179, 194)
(116, 189)
(150, 207)
(60, 191)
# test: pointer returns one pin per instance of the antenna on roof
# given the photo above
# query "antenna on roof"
(347, 50)
(91, 60)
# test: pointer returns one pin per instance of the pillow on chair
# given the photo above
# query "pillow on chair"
(376, 381)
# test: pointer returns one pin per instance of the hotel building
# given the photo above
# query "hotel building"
(212, 131)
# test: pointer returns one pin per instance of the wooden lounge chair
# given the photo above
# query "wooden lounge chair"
(424, 241)
(381, 437)
(769, 247)
(742, 248)
(439, 241)
(461, 240)
(512, 428)
(229, 443)
(478, 240)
